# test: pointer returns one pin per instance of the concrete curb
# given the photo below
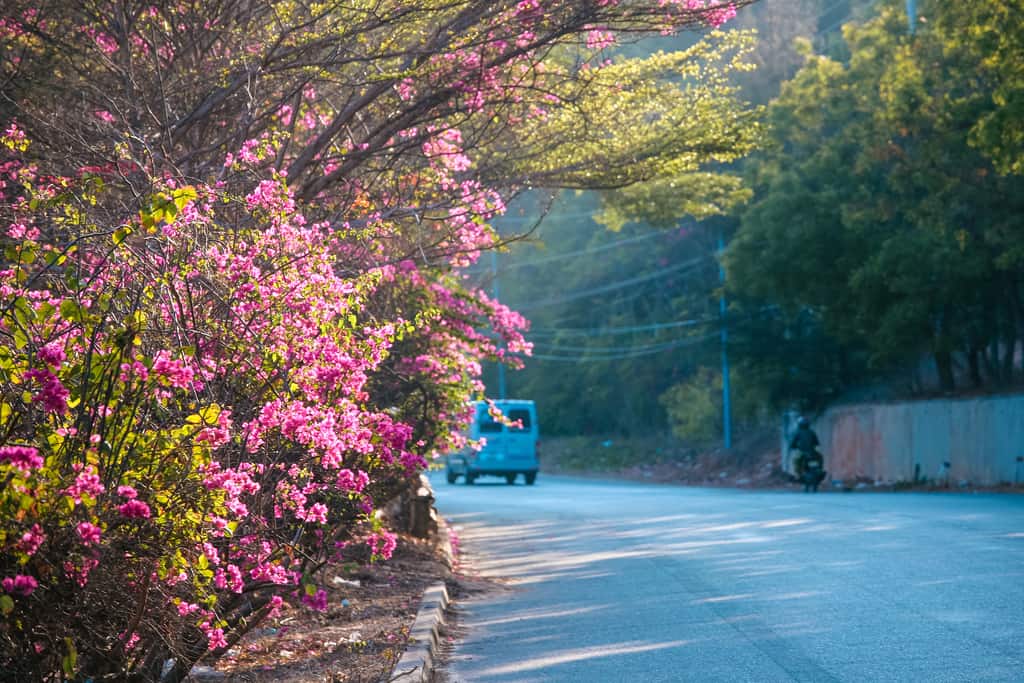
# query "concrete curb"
(417, 662)
(444, 539)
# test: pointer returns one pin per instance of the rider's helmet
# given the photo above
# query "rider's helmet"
(803, 422)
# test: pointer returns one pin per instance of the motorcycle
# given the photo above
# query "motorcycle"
(810, 471)
(812, 476)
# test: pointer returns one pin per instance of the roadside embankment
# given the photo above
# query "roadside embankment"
(752, 462)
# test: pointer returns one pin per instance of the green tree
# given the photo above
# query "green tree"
(875, 213)
(990, 35)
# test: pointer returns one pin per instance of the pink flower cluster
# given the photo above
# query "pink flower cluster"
(177, 373)
(52, 394)
(446, 148)
(89, 533)
(31, 540)
(717, 12)
(25, 458)
(20, 584)
(134, 509)
(87, 483)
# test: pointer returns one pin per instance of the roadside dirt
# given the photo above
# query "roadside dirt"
(357, 640)
(753, 462)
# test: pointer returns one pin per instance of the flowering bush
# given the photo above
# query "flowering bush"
(190, 426)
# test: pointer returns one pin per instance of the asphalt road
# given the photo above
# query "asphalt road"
(612, 581)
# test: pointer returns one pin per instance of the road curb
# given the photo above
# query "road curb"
(417, 662)
(444, 540)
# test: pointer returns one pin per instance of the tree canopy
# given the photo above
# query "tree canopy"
(873, 249)
(878, 208)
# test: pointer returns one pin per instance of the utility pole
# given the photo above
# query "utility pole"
(494, 295)
(726, 408)
(912, 14)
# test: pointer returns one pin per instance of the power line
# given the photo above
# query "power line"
(612, 331)
(821, 33)
(835, 5)
(833, 26)
(609, 349)
(621, 299)
(578, 252)
(549, 214)
(735, 322)
(588, 250)
(689, 341)
(611, 287)
(911, 7)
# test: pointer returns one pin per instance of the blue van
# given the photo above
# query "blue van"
(508, 452)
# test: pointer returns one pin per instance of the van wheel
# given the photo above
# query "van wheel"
(451, 476)
(530, 477)
(470, 478)
(510, 479)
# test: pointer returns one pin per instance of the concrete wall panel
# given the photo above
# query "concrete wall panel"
(980, 438)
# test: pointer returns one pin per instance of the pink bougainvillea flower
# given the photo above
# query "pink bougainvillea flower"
(216, 639)
(52, 354)
(89, 533)
(31, 540)
(317, 601)
(52, 394)
(127, 492)
(317, 513)
(383, 544)
(21, 584)
(23, 457)
(134, 509)
(87, 483)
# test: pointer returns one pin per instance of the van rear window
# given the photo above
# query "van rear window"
(516, 415)
(487, 423)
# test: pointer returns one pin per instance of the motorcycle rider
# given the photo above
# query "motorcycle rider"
(810, 464)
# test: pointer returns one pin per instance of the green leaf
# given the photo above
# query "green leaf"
(210, 413)
(70, 310)
(45, 311)
(121, 234)
(183, 195)
(70, 661)
(23, 312)
(6, 604)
